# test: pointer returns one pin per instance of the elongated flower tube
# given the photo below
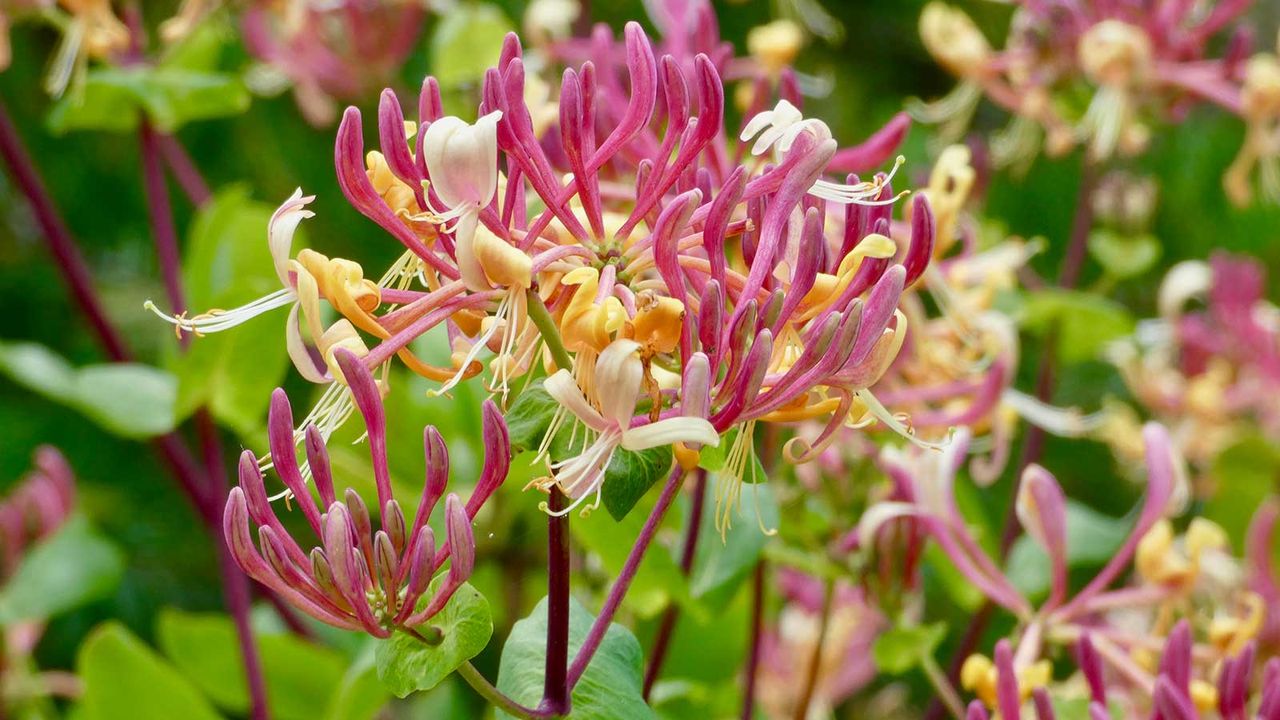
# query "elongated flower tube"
(36, 507)
(607, 418)
(354, 577)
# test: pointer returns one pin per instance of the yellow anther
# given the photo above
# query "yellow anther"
(1156, 559)
(775, 45)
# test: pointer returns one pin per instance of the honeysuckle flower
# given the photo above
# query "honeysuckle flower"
(462, 161)
(638, 225)
(356, 578)
(1192, 578)
(787, 647)
(1260, 110)
(607, 422)
(1139, 65)
(778, 128)
(329, 51)
(36, 507)
(1208, 373)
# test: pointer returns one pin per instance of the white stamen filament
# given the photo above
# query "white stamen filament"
(218, 320)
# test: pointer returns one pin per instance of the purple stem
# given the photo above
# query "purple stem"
(757, 629)
(75, 272)
(663, 639)
(555, 693)
(184, 170)
(161, 215)
(623, 583)
(235, 584)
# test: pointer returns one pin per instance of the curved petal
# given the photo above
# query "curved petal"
(564, 389)
(618, 376)
(671, 430)
(284, 221)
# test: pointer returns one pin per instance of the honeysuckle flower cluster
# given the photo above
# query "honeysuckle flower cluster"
(328, 52)
(1179, 691)
(35, 508)
(1190, 576)
(1135, 65)
(354, 577)
(957, 364)
(676, 285)
(1209, 365)
(89, 30)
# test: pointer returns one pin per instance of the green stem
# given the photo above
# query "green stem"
(481, 684)
(546, 325)
(494, 696)
(946, 692)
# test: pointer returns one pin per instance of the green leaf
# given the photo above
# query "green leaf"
(630, 475)
(123, 678)
(127, 399)
(658, 580)
(359, 695)
(38, 368)
(1245, 474)
(466, 43)
(721, 563)
(1124, 256)
(228, 264)
(529, 416)
(407, 665)
(71, 568)
(1092, 538)
(610, 687)
(114, 99)
(1085, 323)
(300, 675)
(906, 646)
(103, 103)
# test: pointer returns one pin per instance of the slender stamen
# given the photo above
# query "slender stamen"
(217, 320)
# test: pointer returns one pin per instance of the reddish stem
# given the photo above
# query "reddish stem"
(184, 170)
(235, 585)
(161, 215)
(662, 640)
(555, 694)
(620, 586)
(71, 264)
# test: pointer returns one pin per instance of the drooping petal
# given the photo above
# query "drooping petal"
(671, 430)
(564, 389)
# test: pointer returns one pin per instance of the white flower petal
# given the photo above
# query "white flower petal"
(671, 430)
(564, 389)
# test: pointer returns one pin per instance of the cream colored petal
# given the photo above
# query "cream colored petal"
(564, 389)
(671, 430)
(618, 376)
